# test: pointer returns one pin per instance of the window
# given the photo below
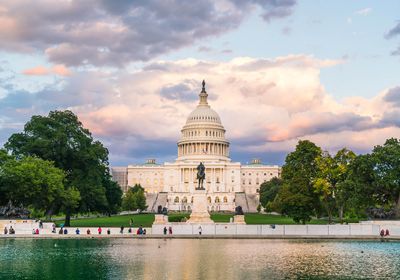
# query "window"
(184, 200)
(217, 200)
(209, 199)
(176, 200)
(225, 199)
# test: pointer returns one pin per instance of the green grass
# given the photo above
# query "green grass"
(257, 219)
(221, 218)
(147, 220)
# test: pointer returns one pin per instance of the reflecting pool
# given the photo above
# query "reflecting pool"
(197, 259)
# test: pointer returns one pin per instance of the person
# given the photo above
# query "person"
(99, 230)
(12, 231)
(129, 230)
(61, 231)
(170, 230)
(108, 231)
(37, 231)
(122, 230)
(33, 231)
(53, 226)
(165, 230)
(88, 231)
(382, 233)
(200, 230)
(77, 231)
(65, 231)
(141, 229)
(5, 230)
(40, 224)
(387, 232)
(144, 231)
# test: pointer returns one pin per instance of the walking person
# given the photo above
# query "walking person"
(165, 230)
(200, 230)
(170, 230)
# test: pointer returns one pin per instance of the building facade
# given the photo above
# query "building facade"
(228, 184)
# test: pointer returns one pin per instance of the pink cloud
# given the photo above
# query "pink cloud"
(58, 69)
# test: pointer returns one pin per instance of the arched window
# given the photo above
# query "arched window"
(217, 200)
(184, 200)
(225, 199)
(176, 199)
(191, 199)
(209, 199)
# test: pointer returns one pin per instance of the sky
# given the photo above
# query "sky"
(276, 72)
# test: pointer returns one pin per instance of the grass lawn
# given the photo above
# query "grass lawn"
(257, 219)
(147, 220)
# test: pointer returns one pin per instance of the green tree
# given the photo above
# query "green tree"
(61, 138)
(134, 199)
(269, 190)
(332, 172)
(387, 172)
(34, 183)
(297, 198)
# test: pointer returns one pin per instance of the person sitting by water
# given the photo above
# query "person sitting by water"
(99, 230)
(65, 231)
(382, 233)
(88, 231)
(5, 230)
(108, 231)
(37, 231)
(77, 231)
(387, 232)
(129, 230)
(40, 224)
(61, 231)
(11, 231)
(53, 228)
(33, 231)
(144, 231)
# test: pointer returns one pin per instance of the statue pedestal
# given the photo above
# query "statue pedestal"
(239, 219)
(199, 213)
(160, 219)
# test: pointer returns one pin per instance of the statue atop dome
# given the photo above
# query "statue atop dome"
(203, 95)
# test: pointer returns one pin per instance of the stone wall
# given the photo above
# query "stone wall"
(277, 230)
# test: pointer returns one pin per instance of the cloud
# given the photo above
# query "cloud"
(393, 96)
(393, 32)
(396, 52)
(60, 70)
(266, 106)
(364, 12)
(115, 33)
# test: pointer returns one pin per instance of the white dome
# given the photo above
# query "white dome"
(203, 113)
(203, 135)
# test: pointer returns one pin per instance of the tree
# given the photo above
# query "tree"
(269, 190)
(61, 138)
(387, 171)
(134, 199)
(113, 195)
(35, 183)
(297, 198)
(332, 172)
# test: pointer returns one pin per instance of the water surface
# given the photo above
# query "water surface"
(197, 259)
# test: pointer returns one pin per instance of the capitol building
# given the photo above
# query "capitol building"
(172, 184)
